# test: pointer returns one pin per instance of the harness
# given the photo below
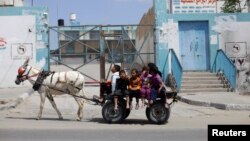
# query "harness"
(41, 76)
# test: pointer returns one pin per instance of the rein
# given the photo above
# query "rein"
(34, 75)
(26, 76)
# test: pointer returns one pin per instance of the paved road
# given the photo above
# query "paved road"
(187, 122)
(103, 135)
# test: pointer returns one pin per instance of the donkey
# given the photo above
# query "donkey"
(56, 83)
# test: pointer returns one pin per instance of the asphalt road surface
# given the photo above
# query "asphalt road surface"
(186, 123)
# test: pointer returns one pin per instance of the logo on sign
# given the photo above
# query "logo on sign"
(21, 49)
(236, 48)
(238, 61)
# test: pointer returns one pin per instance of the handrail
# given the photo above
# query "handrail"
(223, 63)
(176, 68)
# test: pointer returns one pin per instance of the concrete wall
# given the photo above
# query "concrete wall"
(233, 37)
(23, 34)
(146, 34)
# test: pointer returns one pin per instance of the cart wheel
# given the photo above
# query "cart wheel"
(127, 111)
(147, 113)
(111, 116)
(158, 113)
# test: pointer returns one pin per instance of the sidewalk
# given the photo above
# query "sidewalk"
(11, 97)
(220, 100)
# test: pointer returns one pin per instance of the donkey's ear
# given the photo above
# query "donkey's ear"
(26, 62)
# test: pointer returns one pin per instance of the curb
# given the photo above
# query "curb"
(17, 101)
(222, 106)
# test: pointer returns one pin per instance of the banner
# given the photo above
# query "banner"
(194, 6)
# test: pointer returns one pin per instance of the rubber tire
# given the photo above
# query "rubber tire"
(158, 113)
(127, 111)
(147, 113)
(110, 116)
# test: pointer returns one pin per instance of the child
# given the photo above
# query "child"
(134, 87)
(157, 85)
(105, 86)
(121, 89)
(145, 89)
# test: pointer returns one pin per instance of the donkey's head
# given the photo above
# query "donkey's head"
(23, 72)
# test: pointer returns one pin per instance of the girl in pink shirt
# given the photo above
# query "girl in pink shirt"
(146, 86)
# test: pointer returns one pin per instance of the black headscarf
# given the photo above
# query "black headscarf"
(154, 69)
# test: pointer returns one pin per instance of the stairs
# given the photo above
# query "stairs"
(201, 82)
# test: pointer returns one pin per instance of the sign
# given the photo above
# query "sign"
(236, 49)
(21, 51)
(199, 1)
(237, 52)
(194, 6)
(238, 61)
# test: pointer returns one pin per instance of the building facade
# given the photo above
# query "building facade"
(23, 34)
(82, 43)
(196, 31)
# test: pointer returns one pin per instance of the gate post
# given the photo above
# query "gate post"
(102, 54)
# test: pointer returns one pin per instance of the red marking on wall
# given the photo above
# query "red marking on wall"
(2, 43)
(199, 1)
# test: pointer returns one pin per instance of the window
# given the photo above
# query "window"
(70, 35)
(94, 35)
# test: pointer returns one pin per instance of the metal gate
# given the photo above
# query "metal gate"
(194, 43)
(93, 49)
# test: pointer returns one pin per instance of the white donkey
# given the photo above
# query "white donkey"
(70, 82)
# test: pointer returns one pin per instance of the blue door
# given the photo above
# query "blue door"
(194, 45)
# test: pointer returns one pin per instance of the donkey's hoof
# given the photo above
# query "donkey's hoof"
(38, 118)
(78, 119)
(60, 118)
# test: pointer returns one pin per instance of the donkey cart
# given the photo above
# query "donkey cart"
(158, 112)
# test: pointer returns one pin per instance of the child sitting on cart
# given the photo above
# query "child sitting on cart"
(146, 86)
(157, 85)
(134, 87)
(109, 86)
(121, 89)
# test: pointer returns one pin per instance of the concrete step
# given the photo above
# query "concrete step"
(204, 90)
(201, 82)
(197, 81)
(184, 86)
(199, 74)
(199, 78)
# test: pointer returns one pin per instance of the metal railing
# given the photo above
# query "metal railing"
(223, 64)
(176, 68)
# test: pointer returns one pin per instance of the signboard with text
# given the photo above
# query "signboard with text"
(194, 6)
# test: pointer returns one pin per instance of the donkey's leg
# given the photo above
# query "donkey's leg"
(72, 91)
(42, 96)
(81, 101)
(51, 99)
(79, 112)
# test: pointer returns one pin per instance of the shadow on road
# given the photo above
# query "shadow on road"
(96, 120)
(51, 119)
(126, 121)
